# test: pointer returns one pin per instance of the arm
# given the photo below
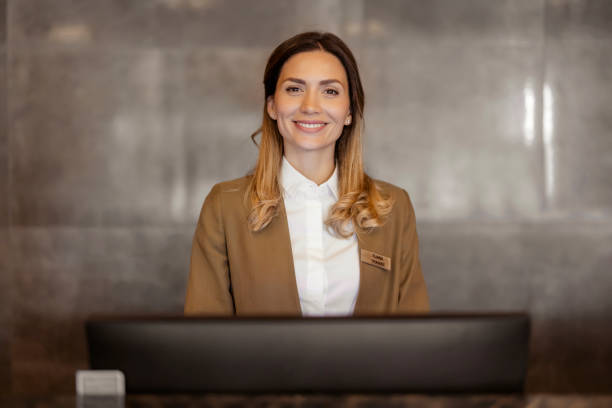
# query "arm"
(413, 291)
(208, 287)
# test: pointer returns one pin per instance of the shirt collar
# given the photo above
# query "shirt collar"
(292, 180)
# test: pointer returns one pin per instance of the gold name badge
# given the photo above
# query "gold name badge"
(373, 258)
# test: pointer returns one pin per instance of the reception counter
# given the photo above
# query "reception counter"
(316, 401)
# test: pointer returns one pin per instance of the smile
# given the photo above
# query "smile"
(309, 126)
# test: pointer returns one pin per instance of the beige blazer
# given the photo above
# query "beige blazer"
(235, 271)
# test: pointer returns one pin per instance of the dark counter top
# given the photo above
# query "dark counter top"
(315, 401)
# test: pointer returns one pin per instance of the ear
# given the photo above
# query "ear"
(271, 107)
(348, 120)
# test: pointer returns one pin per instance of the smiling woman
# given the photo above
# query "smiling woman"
(307, 232)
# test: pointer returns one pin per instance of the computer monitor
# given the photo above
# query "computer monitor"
(428, 353)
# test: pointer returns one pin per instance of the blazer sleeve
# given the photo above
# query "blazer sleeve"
(208, 286)
(413, 291)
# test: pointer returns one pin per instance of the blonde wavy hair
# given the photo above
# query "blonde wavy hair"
(361, 201)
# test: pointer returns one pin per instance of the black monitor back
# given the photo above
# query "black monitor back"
(425, 353)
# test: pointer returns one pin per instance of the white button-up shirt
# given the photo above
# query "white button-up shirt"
(326, 265)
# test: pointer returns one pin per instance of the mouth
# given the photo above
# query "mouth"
(309, 126)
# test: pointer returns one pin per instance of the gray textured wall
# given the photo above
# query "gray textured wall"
(118, 116)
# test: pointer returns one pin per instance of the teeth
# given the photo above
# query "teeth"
(311, 125)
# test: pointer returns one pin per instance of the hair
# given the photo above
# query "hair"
(360, 200)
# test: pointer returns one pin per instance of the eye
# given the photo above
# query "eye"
(331, 91)
(292, 89)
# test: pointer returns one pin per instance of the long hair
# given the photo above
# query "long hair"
(360, 200)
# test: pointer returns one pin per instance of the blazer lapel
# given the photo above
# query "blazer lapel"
(362, 242)
(280, 239)
(267, 284)
(371, 277)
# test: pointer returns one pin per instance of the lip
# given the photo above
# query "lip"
(310, 122)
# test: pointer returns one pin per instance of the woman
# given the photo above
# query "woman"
(307, 232)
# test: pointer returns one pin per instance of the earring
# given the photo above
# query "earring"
(347, 121)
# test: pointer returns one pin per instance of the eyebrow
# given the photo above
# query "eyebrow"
(323, 82)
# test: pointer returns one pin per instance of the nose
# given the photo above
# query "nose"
(310, 103)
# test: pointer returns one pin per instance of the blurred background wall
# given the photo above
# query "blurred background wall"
(118, 116)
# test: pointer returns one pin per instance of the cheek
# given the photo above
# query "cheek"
(285, 105)
(284, 110)
(338, 110)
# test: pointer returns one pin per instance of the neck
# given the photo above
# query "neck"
(316, 166)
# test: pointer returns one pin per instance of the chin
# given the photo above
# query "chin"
(310, 144)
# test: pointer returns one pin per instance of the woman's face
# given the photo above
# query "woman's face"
(311, 103)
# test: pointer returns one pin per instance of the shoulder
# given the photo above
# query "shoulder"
(231, 186)
(395, 192)
(228, 193)
(401, 199)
